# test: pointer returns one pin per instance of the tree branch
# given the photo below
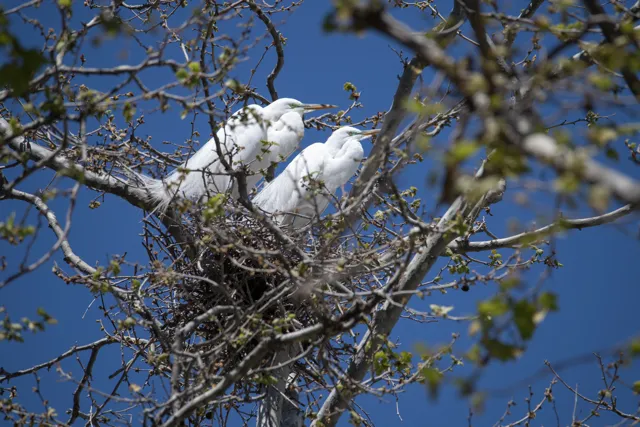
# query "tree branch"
(73, 350)
(69, 256)
(540, 146)
(611, 33)
(461, 246)
(386, 318)
(396, 114)
(137, 196)
(100, 181)
(546, 150)
(275, 35)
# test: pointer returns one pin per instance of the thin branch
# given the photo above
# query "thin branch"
(69, 256)
(88, 371)
(275, 35)
(46, 365)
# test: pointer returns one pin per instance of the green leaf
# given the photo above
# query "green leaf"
(21, 67)
(601, 81)
(433, 379)
(404, 361)
(474, 354)
(548, 301)
(476, 83)
(182, 74)
(567, 183)
(509, 283)
(115, 267)
(214, 207)
(328, 23)
(355, 419)
(128, 111)
(380, 362)
(500, 350)
(602, 135)
(440, 310)
(462, 151)
(523, 316)
(611, 154)
(599, 197)
(349, 87)
(495, 306)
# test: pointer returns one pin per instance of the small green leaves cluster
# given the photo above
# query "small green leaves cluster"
(214, 207)
(189, 75)
(13, 331)
(340, 17)
(387, 358)
(353, 91)
(503, 312)
(15, 233)
(21, 64)
(424, 109)
(458, 264)
(281, 324)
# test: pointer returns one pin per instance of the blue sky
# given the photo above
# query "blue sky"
(598, 289)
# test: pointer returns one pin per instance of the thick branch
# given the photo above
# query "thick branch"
(387, 317)
(137, 196)
(396, 113)
(611, 33)
(99, 181)
(462, 246)
(546, 150)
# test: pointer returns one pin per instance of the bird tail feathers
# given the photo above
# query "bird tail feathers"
(157, 190)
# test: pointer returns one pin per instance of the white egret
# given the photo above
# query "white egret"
(243, 142)
(283, 138)
(290, 197)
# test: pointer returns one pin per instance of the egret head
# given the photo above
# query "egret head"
(341, 136)
(277, 108)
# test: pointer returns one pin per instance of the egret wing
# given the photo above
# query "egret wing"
(288, 191)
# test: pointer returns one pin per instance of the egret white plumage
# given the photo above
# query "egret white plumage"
(283, 138)
(290, 196)
(243, 142)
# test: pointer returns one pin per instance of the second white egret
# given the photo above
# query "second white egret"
(291, 196)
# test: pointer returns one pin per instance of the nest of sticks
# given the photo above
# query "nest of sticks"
(242, 278)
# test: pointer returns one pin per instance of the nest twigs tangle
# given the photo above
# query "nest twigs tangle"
(212, 312)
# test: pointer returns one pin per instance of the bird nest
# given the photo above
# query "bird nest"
(239, 288)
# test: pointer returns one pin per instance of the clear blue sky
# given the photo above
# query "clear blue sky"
(598, 288)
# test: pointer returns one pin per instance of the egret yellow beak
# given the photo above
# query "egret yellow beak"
(312, 107)
(371, 132)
